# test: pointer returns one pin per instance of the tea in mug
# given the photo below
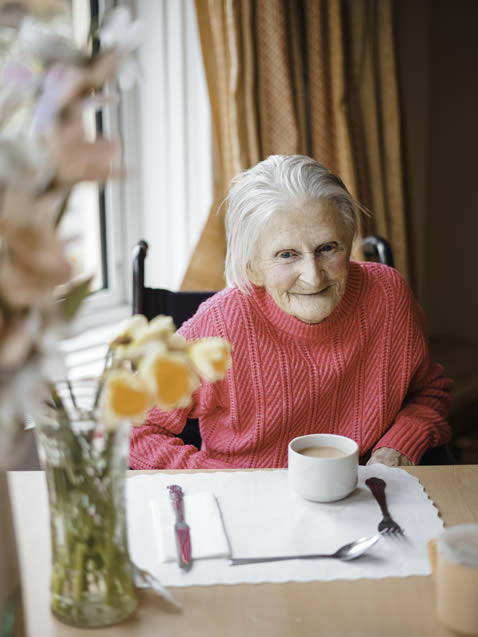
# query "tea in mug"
(322, 452)
(323, 467)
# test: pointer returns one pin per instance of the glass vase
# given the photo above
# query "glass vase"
(12, 447)
(92, 581)
(11, 607)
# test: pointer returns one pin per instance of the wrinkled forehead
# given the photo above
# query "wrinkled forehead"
(309, 223)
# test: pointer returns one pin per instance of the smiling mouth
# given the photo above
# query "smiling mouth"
(313, 293)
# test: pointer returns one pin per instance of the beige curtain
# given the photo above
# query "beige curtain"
(316, 77)
(374, 118)
(225, 28)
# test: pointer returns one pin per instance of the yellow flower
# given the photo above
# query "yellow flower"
(166, 369)
(137, 335)
(211, 357)
(128, 332)
(126, 396)
(130, 328)
(169, 377)
(162, 325)
(161, 328)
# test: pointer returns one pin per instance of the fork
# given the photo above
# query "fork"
(387, 525)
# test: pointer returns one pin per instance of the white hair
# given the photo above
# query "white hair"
(278, 182)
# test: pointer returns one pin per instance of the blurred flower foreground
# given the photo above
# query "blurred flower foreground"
(150, 365)
(44, 153)
(83, 443)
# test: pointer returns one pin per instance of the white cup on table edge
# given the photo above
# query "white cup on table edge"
(323, 467)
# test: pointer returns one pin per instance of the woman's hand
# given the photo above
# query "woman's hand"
(390, 458)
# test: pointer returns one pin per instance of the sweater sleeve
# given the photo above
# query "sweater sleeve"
(422, 420)
(155, 445)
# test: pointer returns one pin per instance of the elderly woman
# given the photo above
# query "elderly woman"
(321, 344)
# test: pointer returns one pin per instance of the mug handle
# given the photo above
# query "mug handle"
(432, 554)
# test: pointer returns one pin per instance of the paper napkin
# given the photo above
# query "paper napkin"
(202, 514)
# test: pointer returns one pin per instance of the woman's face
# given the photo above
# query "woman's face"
(302, 260)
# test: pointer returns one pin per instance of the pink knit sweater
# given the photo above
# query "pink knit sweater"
(364, 372)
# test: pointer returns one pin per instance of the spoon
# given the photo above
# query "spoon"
(347, 552)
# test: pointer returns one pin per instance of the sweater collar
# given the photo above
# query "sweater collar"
(293, 326)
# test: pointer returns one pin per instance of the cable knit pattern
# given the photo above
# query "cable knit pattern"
(364, 372)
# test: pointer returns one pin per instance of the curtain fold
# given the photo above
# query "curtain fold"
(225, 29)
(374, 116)
(316, 77)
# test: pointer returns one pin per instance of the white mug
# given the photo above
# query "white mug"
(454, 561)
(323, 479)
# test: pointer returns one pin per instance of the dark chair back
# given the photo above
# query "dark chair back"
(377, 248)
(183, 305)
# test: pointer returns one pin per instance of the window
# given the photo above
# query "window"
(167, 122)
(85, 218)
(94, 232)
(165, 131)
(95, 216)
(164, 128)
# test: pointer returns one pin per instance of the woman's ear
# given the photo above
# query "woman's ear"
(254, 274)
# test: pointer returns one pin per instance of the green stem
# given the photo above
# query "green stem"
(91, 564)
(79, 566)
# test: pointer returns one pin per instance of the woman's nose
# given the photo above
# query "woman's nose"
(312, 272)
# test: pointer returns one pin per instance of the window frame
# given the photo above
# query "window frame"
(132, 203)
(121, 230)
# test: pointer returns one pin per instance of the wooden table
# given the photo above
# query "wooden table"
(374, 607)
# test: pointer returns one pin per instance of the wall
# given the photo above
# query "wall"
(452, 261)
(438, 62)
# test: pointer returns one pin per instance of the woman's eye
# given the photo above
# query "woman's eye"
(328, 247)
(285, 254)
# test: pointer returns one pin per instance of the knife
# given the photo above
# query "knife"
(181, 529)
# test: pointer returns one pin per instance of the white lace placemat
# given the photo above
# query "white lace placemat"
(262, 516)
